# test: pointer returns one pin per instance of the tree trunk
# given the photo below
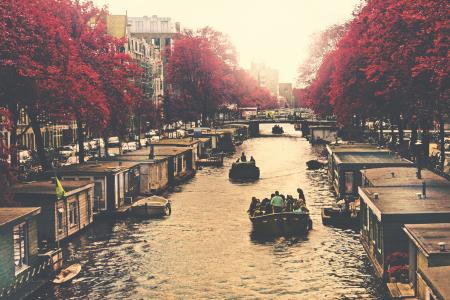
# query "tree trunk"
(13, 138)
(105, 142)
(441, 142)
(413, 140)
(426, 145)
(80, 138)
(381, 138)
(401, 134)
(39, 140)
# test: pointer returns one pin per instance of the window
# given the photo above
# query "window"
(348, 182)
(60, 219)
(20, 246)
(73, 214)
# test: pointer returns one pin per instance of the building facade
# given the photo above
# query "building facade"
(285, 90)
(266, 77)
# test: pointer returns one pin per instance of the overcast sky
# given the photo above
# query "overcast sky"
(276, 32)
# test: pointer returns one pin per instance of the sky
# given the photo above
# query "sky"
(277, 32)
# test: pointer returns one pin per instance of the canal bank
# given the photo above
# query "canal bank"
(205, 248)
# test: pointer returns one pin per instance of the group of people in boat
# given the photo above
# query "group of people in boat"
(278, 203)
(243, 158)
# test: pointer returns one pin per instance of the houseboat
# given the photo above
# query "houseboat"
(384, 211)
(322, 134)
(22, 270)
(428, 263)
(347, 168)
(200, 146)
(181, 161)
(60, 217)
(116, 183)
(221, 139)
(154, 175)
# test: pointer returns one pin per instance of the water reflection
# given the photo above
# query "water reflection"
(205, 249)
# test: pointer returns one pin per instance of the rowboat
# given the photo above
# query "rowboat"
(67, 274)
(244, 171)
(216, 160)
(315, 164)
(337, 217)
(153, 206)
(282, 224)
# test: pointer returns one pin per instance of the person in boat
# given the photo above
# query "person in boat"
(265, 205)
(253, 205)
(243, 157)
(301, 196)
(277, 203)
(237, 160)
(252, 159)
(289, 203)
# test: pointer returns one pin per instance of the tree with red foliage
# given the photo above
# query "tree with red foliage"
(197, 74)
(301, 97)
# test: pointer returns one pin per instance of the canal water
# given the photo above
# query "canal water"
(205, 248)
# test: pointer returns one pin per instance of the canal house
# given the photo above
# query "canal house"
(116, 182)
(384, 211)
(154, 176)
(60, 217)
(429, 260)
(20, 265)
(401, 177)
(347, 166)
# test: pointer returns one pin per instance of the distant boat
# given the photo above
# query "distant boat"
(244, 171)
(213, 160)
(297, 126)
(67, 274)
(277, 129)
(279, 224)
(238, 142)
(315, 164)
(153, 206)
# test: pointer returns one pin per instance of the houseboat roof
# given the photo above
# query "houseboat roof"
(48, 187)
(356, 147)
(402, 205)
(438, 277)
(428, 236)
(159, 151)
(139, 158)
(177, 142)
(403, 176)
(370, 158)
(99, 167)
(16, 214)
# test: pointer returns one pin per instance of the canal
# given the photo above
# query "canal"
(205, 249)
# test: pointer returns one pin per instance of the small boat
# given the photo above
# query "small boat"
(339, 217)
(213, 160)
(238, 143)
(282, 224)
(153, 206)
(244, 171)
(67, 274)
(315, 164)
(277, 129)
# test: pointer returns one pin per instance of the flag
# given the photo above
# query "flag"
(60, 192)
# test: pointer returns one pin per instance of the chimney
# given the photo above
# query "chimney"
(375, 196)
(151, 155)
(419, 195)
(393, 174)
(120, 163)
(442, 246)
(419, 159)
(424, 189)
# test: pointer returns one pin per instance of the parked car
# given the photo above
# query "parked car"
(65, 151)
